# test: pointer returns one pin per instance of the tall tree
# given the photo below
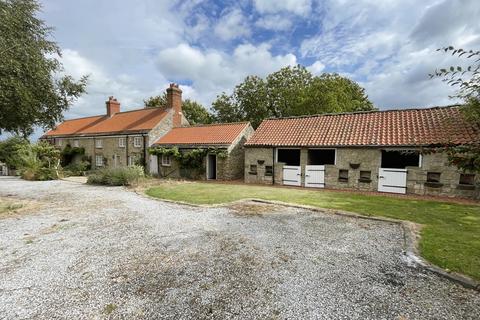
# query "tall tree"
(159, 101)
(332, 93)
(195, 112)
(33, 91)
(291, 91)
(467, 81)
(192, 110)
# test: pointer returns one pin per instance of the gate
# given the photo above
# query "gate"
(315, 176)
(292, 175)
(392, 180)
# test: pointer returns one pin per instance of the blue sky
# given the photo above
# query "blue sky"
(133, 49)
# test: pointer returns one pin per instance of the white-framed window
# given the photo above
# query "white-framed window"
(166, 160)
(75, 143)
(132, 160)
(137, 142)
(59, 142)
(99, 160)
(121, 142)
(99, 143)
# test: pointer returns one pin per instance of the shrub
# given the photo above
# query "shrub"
(123, 176)
(76, 168)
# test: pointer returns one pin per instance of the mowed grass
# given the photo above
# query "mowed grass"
(450, 237)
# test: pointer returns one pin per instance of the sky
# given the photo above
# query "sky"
(134, 49)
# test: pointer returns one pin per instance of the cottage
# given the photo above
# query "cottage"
(382, 151)
(120, 138)
(219, 148)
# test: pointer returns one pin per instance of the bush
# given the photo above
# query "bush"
(123, 176)
(76, 168)
(39, 174)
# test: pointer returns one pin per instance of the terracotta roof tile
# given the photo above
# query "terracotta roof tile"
(213, 134)
(409, 127)
(128, 121)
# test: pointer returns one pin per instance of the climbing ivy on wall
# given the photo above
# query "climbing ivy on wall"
(68, 153)
(191, 158)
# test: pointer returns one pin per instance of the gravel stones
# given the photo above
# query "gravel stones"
(106, 252)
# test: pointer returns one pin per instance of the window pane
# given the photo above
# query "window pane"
(321, 156)
(433, 176)
(291, 157)
(397, 159)
(468, 179)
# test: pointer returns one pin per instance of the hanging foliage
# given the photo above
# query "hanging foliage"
(464, 157)
(191, 158)
(68, 153)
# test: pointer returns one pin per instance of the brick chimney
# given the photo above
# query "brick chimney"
(113, 106)
(174, 101)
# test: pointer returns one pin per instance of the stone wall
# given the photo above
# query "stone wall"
(111, 152)
(365, 159)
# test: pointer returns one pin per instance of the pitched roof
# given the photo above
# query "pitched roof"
(212, 134)
(408, 127)
(121, 122)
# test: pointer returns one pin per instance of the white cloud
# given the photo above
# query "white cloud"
(316, 68)
(274, 22)
(212, 71)
(101, 85)
(299, 7)
(232, 25)
(392, 54)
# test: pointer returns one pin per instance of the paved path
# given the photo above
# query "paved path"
(86, 252)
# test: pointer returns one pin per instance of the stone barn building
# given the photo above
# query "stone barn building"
(382, 151)
(224, 161)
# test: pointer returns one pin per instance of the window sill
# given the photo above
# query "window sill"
(166, 165)
(433, 184)
(253, 173)
(268, 175)
(365, 180)
(342, 180)
(465, 187)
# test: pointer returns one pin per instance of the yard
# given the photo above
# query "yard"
(94, 252)
(450, 233)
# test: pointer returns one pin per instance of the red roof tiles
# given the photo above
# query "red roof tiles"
(409, 127)
(128, 121)
(213, 134)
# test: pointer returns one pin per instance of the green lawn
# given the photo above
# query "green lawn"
(450, 237)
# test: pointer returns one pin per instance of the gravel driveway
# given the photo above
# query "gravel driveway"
(85, 252)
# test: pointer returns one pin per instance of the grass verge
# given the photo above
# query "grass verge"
(450, 237)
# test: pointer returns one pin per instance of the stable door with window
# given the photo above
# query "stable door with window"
(392, 176)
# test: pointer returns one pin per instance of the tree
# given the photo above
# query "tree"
(159, 101)
(291, 91)
(332, 93)
(467, 81)
(33, 91)
(192, 110)
(11, 150)
(196, 113)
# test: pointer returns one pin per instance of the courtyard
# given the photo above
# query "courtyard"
(79, 251)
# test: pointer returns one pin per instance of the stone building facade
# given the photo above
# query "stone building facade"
(450, 182)
(120, 138)
(371, 151)
(228, 139)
